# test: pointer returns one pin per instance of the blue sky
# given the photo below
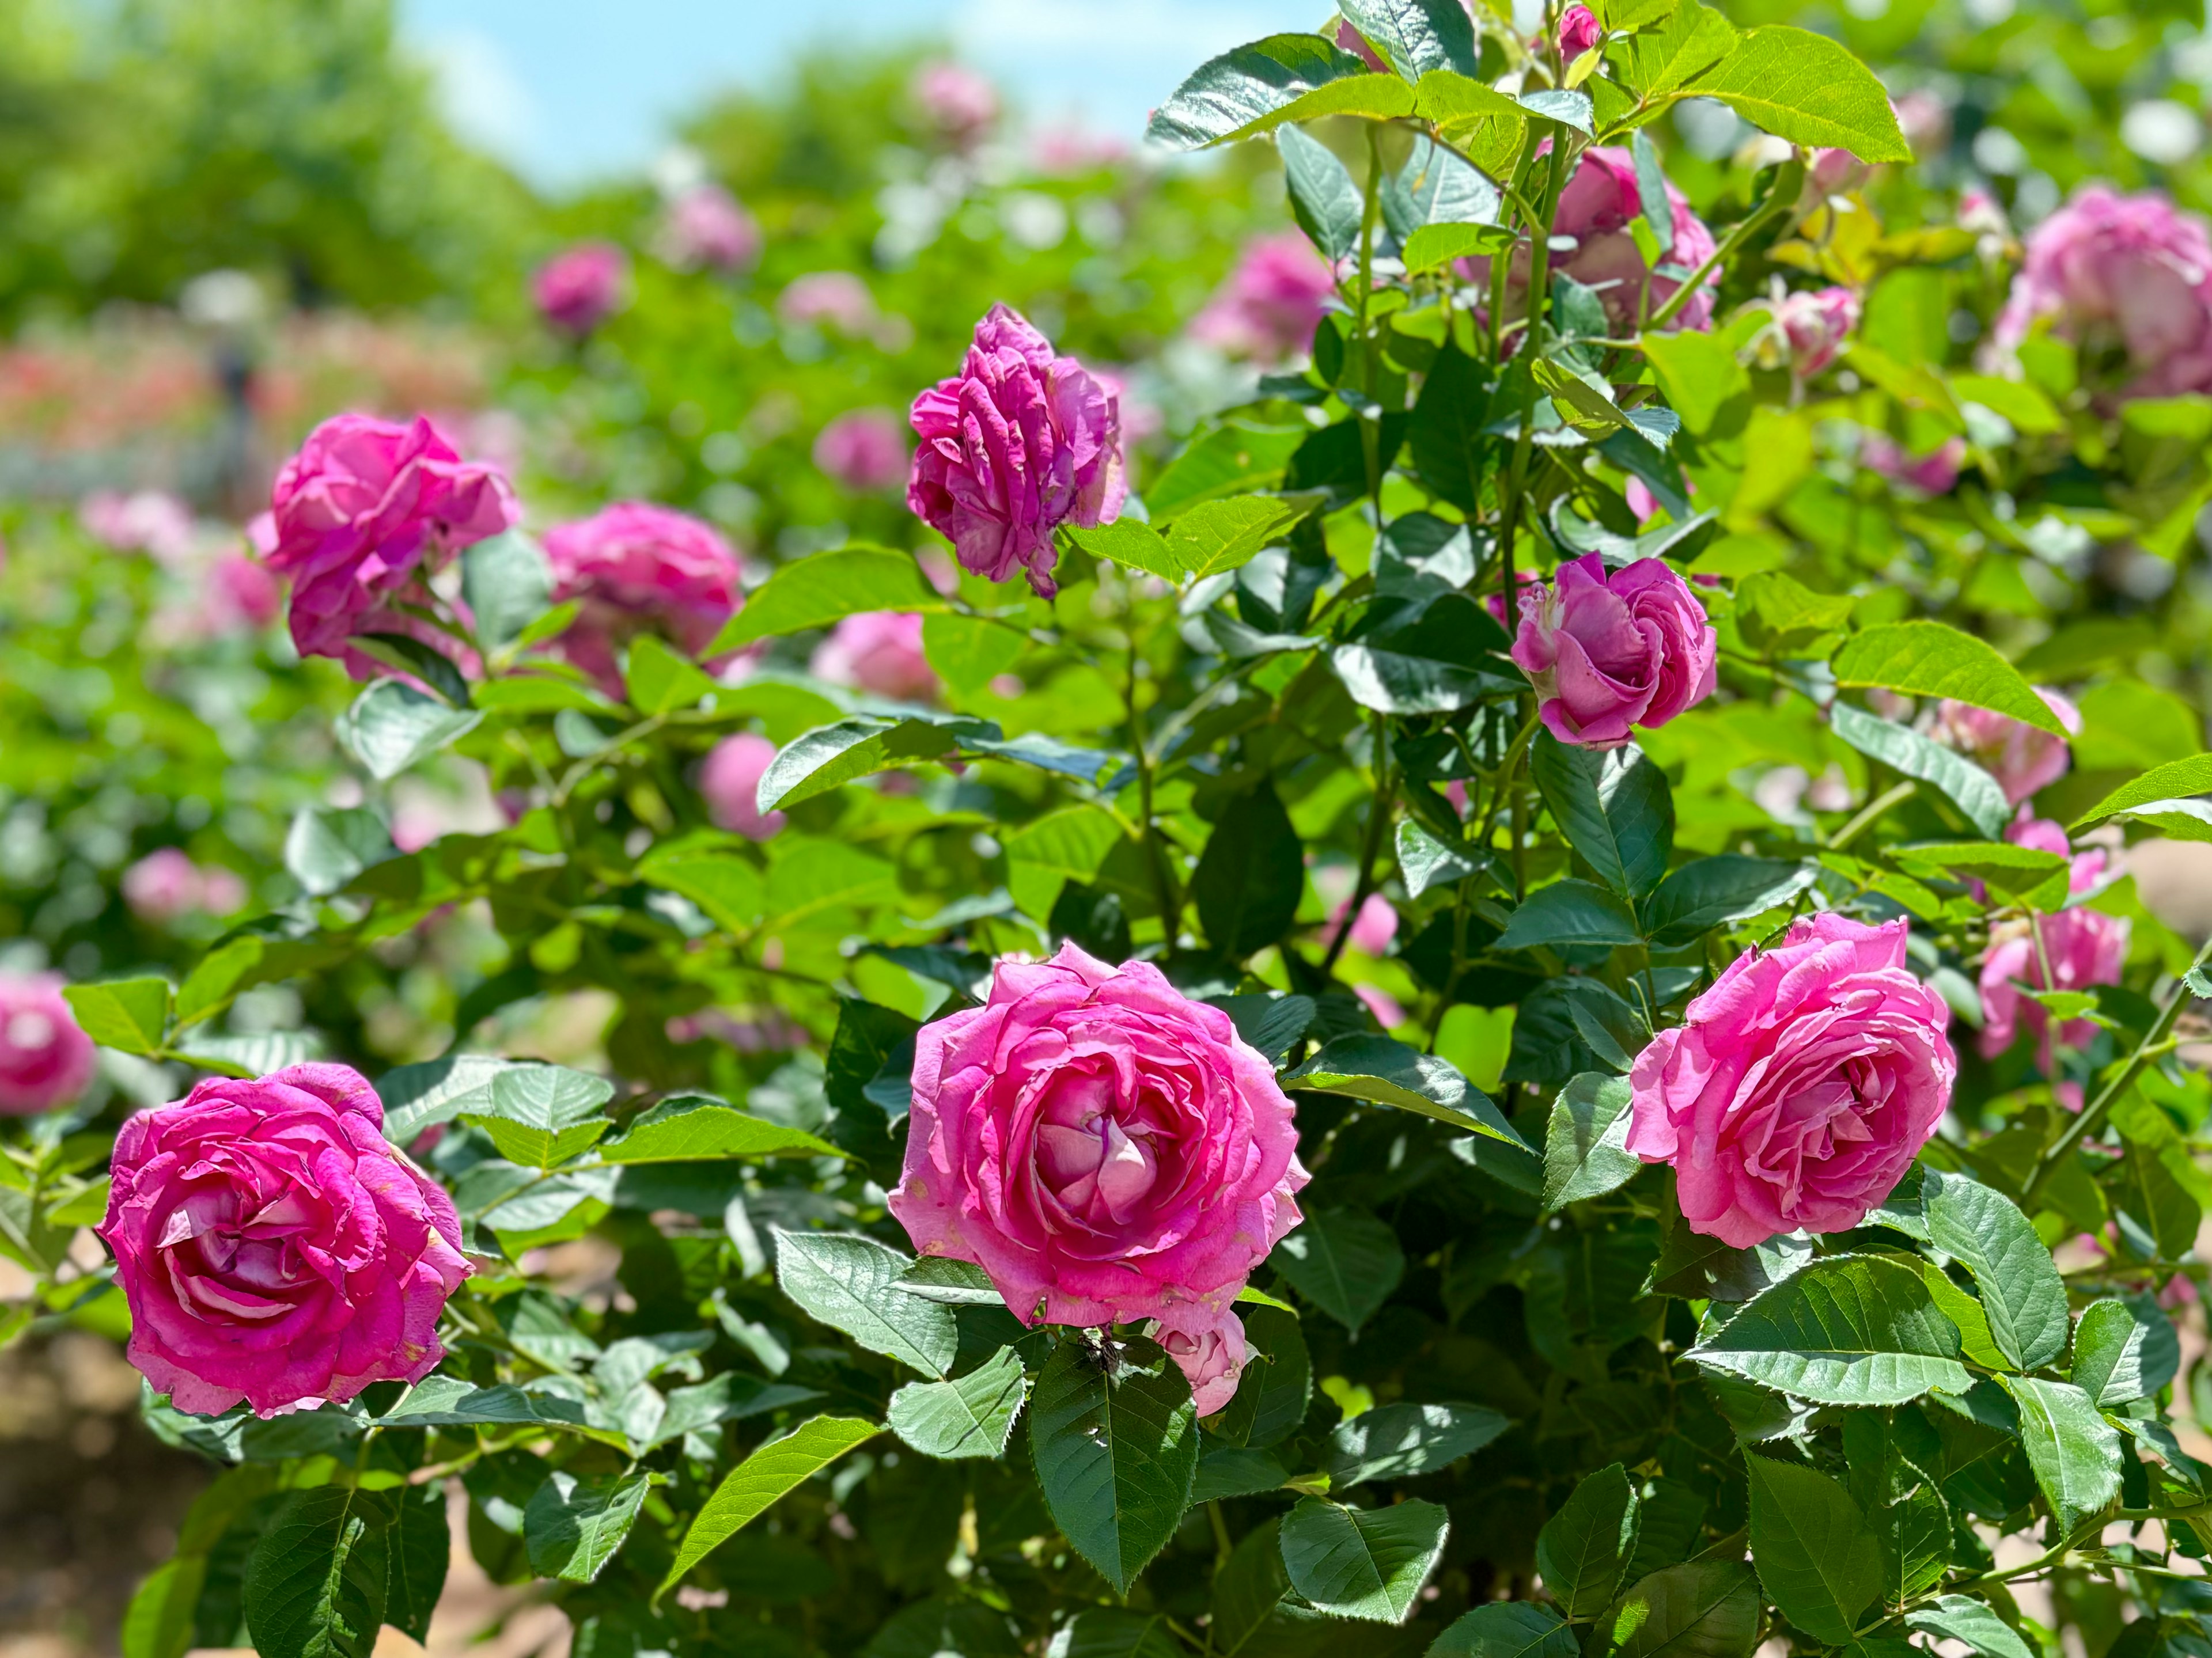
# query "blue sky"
(570, 90)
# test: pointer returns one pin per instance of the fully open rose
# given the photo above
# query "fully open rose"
(1607, 651)
(1800, 1088)
(1107, 1150)
(274, 1248)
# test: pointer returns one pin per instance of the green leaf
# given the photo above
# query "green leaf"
(1569, 912)
(129, 1015)
(437, 1091)
(1324, 200)
(1447, 439)
(1698, 372)
(1114, 1632)
(410, 655)
(2174, 780)
(1846, 1330)
(158, 1621)
(833, 755)
(1961, 1618)
(659, 680)
(508, 584)
(1432, 247)
(1115, 1438)
(318, 1579)
(1272, 1394)
(391, 726)
(749, 1489)
(1382, 1069)
(1344, 1262)
(811, 876)
(2073, 1452)
(688, 1128)
(1363, 1562)
(1227, 460)
(1916, 1538)
(1442, 661)
(447, 1401)
(572, 1526)
(543, 1114)
(1705, 1609)
(1250, 878)
(1809, 89)
(1130, 543)
(325, 849)
(1712, 892)
(2022, 1294)
(1507, 1629)
(972, 1415)
(1438, 190)
(1584, 1548)
(845, 1281)
(1819, 1559)
(969, 652)
(1928, 659)
(1249, 90)
(826, 588)
(1403, 1442)
(1614, 807)
(2027, 874)
(1218, 535)
(1425, 861)
(1417, 36)
(2125, 1350)
(955, 1283)
(1583, 1154)
(2177, 820)
(1973, 790)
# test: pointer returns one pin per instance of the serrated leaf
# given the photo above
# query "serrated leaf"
(1250, 90)
(1614, 807)
(1366, 1066)
(2073, 1452)
(1809, 89)
(1705, 1609)
(573, 1524)
(2022, 1294)
(1583, 1549)
(845, 1281)
(1276, 1387)
(1712, 892)
(507, 582)
(820, 591)
(1114, 1439)
(317, 1582)
(688, 1128)
(1568, 913)
(1403, 1442)
(2174, 780)
(543, 1114)
(972, 1415)
(1131, 545)
(1975, 1623)
(437, 1091)
(1507, 1629)
(1973, 790)
(1922, 657)
(392, 726)
(748, 1489)
(1425, 862)
(1417, 36)
(2125, 1350)
(1819, 1559)
(1344, 1262)
(1363, 1562)
(1846, 1330)
(1583, 1147)
(129, 1015)
(1327, 203)
(1218, 535)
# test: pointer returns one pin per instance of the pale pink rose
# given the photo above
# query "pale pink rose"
(222, 891)
(635, 568)
(274, 1248)
(581, 286)
(2020, 758)
(2084, 870)
(1924, 119)
(46, 1058)
(1142, 419)
(1017, 444)
(365, 512)
(1062, 150)
(1835, 172)
(1800, 1087)
(960, 104)
(1607, 651)
(880, 651)
(1374, 928)
(2086, 948)
(864, 449)
(1271, 304)
(162, 885)
(1208, 1347)
(1106, 1148)
(1387, 1011)
(1579, 30)
(2128, 274)
(837, 298)
(1931, 474)
(150, 521)
(729, 781)
(1811, 327)
(705, 228)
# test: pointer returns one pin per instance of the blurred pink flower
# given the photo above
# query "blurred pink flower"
(1373, 927)
(2022, 758)
(150, 521)
(46, 1058)
(864, 449)
(1812, 326)
(1924, 119)
(579, 287)
(1271, 304)
(1931, 474)
(836, 298)
(1062, 150)
(706, 229)
(959, 103)
(241, 590)
(167, 884)
(880, 651)
(729, 781)
(2085, 948)
(637, 568)
(1382, 1004)
(1350, 39)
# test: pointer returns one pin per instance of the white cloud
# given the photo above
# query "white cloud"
(482, 96)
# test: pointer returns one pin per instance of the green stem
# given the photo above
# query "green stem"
(1379, 816)
(1370, 429)
(1777, 204)
(1163, 886)
(1871, 814)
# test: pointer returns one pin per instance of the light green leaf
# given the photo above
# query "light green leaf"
(1584, 1548)
(1366, 1066)
(1115, 1438)
(2074, 1451)
(845, 1281)
(971, 1415)
(543, 1114)
(969, 652)
(508, 584)
(325, 849)
(437, 1091)
(825, 588)
(1403, 1442)
(2022, 1294)
(1820, 1560)
(1132, 545)
(690, 1127)
(1973, 790)
(129, 1015)
(2174, 780)
(1583, 1146)
(1846, 1330)
(660, 681)
(1705, 1609)
(750, 1488)
(1250, 89)
(1809, 89)
(391, 726)
(572, 1526)
(1961, 1618)
(1417, 36)
(1216, 536)
(1344, 1262)
(1432, 246)
(1363, 1562)
(1928, 659)
(1614, 807)
(1425, 861)
(833, 755)
(810, 876)
(1324, 200)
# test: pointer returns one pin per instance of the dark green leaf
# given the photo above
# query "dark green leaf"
(2022, 1295)
(1584, 1548)
(320, 1578)
(1363, 1562)
(1417, 36)
(1344, 1262)
(2074, 1451)
(1403, 1442)
(1382, 1069)
(1244, 91)
(1326, 201)
(1961, 1618)
(1116, 1442)
(845, 1280)
(1712, 892)
(1248, 879)
(1614, 807)
(1114, 1632)
(1847, 1330)
(1425, 861)
(506, 584)
(1973, 790)
(1817, 1556)
(1507, 1629)
(573, 1525)
(391, 726)
(325, 848)
(1583, 1154)
(1569, 912)
(1705, 1609)
(1277, 1384)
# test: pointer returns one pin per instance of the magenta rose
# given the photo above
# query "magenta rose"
(362, 515)
(274, 1248)
(635, 568)
(1017, 444)
(1107, 1150)
(1579, 30)
(1609, 651)
(1271, 302)
(729, 782)
(864, 449)
(581, 286)
(2127, 274)
(1800, 1087)
(879, 650)
(2023, 758)
(46, 1058)
(705, 228)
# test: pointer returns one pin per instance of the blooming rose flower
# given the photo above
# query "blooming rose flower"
(166, 884)
(956, 100)
(579, 287)
(1579, 30)
(46, 1058)
(636, 568)
(1931, 474)
(362, 513)
(2084, 947)
(730, 782)
(149, 521)
(864, 449)
(1800, 1087)
(1271, 304)
(274, 1248)
(837, 298)
(879, 650)
(1810, 328)
(2127, 273)
(1018, 443)
(705, 228)
(2022, 758)
(1107, 1150)
(1606, 652)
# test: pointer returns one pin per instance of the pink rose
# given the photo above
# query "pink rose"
(836, 298)
(865, 449)
(960, 104)
(1811, 327)
(1208, 1348)
(241, 591)
(1606, 652)
(1835, 172)
(363, 515)
(2022, 758)
(2130, 274)
(1374, 927)
(1924, 119)
(1800, 1087)
(581, 286)
(705, 228)
(1271, 304)
(2084, 947)
(150, 521)
(1106, 1148)
(1931, 474)
(635, 568)
(1350, 39)
(729, 783)
(1017, 444)
(162, 885)
(46, 1058)
(274, 1248)
(878, 651)
(1579, 30)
